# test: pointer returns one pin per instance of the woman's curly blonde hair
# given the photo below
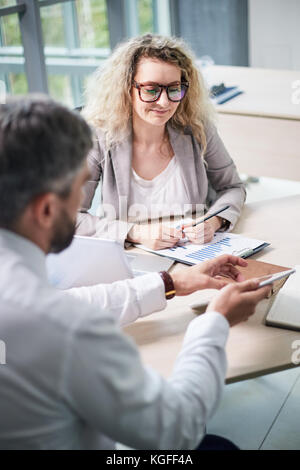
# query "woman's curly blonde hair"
(108, 95)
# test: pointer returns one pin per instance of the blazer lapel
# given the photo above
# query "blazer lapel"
(183, 149)
(121, 156)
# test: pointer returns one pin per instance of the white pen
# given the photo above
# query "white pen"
(276, 277)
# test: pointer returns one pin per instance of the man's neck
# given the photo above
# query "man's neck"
(31, 234)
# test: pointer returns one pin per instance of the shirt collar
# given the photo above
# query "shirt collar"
(31, 254)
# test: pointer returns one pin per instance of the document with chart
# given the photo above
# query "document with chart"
(222, 243)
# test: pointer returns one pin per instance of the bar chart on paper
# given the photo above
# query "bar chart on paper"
(210, 251)
(222, 243)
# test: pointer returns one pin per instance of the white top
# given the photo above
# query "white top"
(163, 196)
(72, 380)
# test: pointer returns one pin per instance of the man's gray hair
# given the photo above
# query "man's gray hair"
(42, 147)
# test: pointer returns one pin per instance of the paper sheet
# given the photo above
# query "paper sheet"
(222, 243)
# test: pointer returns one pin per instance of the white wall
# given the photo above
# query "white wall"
(274, 34)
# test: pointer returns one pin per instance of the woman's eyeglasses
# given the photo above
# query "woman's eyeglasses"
(153, 91)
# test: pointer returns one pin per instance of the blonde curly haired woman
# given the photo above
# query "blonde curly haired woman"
(157, 153)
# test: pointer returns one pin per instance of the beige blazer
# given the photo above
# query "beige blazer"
(214, 184)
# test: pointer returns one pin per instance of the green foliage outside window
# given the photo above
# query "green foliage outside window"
(145, 16)
(10, 31)
(93, 32)
(7, 3)
(93, 24)
(53, 25)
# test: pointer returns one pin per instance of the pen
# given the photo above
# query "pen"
(210, 216)
(207, 217)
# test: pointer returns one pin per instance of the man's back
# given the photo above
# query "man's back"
(36, 326)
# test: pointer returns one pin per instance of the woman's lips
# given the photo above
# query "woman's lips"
(159, 111)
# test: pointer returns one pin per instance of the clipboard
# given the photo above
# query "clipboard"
(222, 243)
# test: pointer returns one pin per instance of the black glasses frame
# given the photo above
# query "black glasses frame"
(162, 87)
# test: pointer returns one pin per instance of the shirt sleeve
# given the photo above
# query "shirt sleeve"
(107, 385)
(223, 178)
(126, 300)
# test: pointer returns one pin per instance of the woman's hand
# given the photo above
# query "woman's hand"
(204, 232)
(206, 275)
(155, 236)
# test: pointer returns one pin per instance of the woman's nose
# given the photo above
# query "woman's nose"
(163, 99)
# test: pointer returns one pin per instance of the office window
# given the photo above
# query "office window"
(77, 36)
(7, 3)
(59, 44)
(53, 25)
(145, 9)
(17, 83)
(10, 39)
(52, 20)
(93, 25)
(74, 32)
(10, 31)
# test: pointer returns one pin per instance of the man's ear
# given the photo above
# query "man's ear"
(44, 209)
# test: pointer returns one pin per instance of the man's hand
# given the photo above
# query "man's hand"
(237, 302)
(205, 275)
(224, 265)
(155, 236)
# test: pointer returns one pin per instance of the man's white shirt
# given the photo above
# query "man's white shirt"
(73, 380)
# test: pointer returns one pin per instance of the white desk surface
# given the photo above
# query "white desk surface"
(253, 349)
(268, 92)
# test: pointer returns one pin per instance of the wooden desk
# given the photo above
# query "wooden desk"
(253, 349)
(261, 127)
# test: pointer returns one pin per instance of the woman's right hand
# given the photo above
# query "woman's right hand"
(155, 236)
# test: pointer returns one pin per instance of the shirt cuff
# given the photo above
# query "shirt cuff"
(151, 293)
(212, 325)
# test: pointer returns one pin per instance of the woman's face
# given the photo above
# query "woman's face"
(153, 71)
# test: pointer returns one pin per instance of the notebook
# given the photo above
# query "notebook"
(220, 94)
(222, 243)
(285, 310)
